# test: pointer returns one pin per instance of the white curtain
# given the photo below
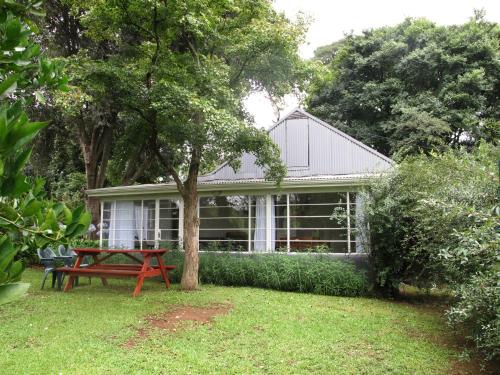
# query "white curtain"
(122, 225)
(361, 225)
(259, 237)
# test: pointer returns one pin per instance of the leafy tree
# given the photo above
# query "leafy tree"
(186, 67)
(27, 220)
(414, 87)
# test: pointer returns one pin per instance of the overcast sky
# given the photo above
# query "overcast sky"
(331, 19)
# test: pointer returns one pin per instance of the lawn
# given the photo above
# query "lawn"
(86, 331)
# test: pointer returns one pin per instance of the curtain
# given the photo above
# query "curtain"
(122, 226)
(361, 228)
(259, 237)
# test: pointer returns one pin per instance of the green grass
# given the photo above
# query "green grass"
(269, 332)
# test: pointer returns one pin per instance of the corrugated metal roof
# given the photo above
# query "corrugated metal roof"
(320, 149)
(229, 185)
(330, 157)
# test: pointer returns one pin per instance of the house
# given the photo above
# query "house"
(318, 206)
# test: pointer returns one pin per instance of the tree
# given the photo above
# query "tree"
(413, 87)
(187, 66)
(27, 220)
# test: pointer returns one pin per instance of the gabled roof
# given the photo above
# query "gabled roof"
(309, 147)
(322, 156)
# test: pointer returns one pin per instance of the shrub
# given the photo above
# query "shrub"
(417, 211)
(309, 274)
(478, 311)
(432, 222)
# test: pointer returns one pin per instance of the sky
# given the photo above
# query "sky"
(331, 19)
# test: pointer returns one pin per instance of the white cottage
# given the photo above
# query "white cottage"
(241, 211)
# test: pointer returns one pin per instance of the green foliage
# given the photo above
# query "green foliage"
(432, 222)
(416, 211)
(27, 220)
(477, 311)
(413, 87)
(308, 274)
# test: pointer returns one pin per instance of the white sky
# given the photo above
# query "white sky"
(331, 19)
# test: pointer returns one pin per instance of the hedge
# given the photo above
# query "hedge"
(295, 273)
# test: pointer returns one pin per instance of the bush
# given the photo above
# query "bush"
(432, 222)
(309, 274)
(478, 311)
(417, 213)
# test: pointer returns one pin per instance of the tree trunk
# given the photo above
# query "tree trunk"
(94, 206)
(189, 279)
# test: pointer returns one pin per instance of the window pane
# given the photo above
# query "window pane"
(224, 245)
(318, 222)
(224, 223)
(318, 198)
(169, 223)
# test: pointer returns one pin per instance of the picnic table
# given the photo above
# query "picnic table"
(141, 268)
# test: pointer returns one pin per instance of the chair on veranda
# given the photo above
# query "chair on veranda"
(48, 260)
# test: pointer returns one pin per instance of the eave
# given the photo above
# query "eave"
(313, 182)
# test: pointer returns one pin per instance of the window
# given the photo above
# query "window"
(169, 223)
(318, 222)
(224, 223)
(296, 222)
(133, 224)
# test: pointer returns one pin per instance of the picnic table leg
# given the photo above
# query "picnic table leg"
(103, 279)
(71, 278)
(140, 277)
(162, 270)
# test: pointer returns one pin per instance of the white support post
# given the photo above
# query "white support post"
(113, 220)
(141, 236)
(249, 223)
(348, 223)
(180, 204)
(269, 204)
(288, 222)
(101, 224)
(157, 224)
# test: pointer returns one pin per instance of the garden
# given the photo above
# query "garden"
(116, 93)
(96, 329)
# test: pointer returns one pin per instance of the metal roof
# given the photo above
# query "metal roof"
(309, 147)
(235, 185)
(316, 154)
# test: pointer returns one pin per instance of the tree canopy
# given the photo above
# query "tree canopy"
(415, 86)
(179, 72)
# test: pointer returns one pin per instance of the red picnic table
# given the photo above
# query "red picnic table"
(141, 269)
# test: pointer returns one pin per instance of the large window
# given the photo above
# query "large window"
(224, 223)
(139, 224)
(318, 222)
(295, 222)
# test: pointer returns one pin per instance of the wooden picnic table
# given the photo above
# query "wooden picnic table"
(141, 269)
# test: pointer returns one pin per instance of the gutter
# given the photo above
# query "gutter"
(170, 188)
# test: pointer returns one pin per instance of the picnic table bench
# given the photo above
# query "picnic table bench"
(141, 269)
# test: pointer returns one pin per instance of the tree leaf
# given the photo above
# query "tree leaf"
(32, 207)
(16, 270)
(8, 85)
(11, 292)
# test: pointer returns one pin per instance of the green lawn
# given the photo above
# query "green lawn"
(84, 332)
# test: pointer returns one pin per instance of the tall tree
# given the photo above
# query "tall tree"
(87, 112)
(415, 86)
(27, 220)
(187, 66)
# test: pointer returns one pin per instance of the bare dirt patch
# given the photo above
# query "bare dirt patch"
(172, 321)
